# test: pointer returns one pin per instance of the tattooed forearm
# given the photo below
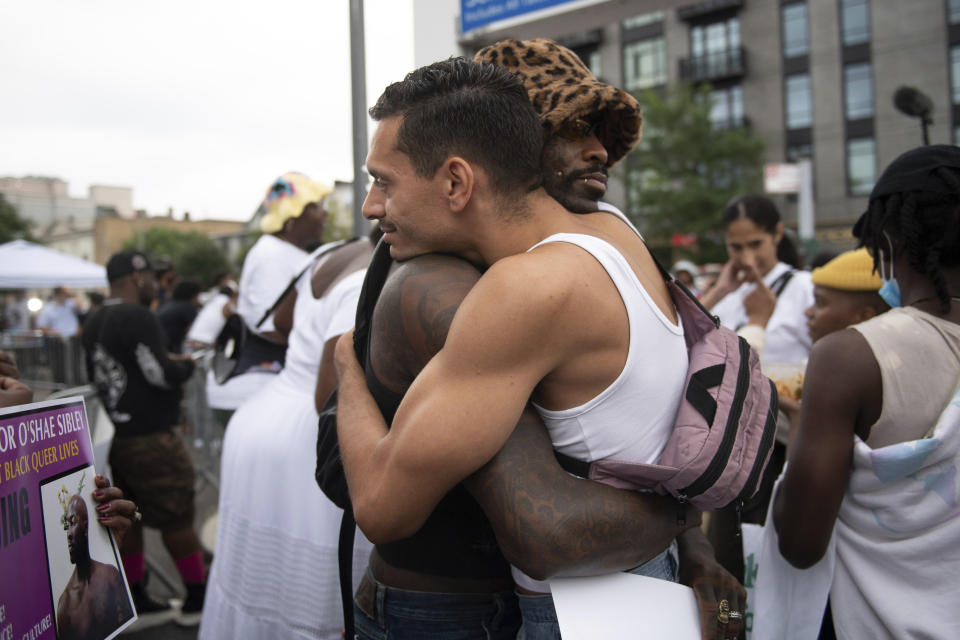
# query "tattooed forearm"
(550, 523)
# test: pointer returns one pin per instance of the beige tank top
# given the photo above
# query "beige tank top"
(919, 358)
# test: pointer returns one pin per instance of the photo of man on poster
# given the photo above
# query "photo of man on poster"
(95, 602)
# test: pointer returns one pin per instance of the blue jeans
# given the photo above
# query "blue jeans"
(398, 614)
(540, 617)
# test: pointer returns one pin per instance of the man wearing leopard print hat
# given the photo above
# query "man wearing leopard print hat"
(390, 198)
(589, 125)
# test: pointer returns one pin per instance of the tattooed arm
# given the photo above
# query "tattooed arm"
(547, 522)
(550, 523)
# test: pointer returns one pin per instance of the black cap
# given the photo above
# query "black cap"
(126, 262)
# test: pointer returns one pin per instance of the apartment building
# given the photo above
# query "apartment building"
(813, 78)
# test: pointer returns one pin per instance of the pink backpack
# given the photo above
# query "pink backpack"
(724, 430)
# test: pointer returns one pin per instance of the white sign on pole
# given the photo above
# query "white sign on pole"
(781, 178)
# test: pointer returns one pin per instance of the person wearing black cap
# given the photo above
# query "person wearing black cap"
(139, 383)
(873, 463)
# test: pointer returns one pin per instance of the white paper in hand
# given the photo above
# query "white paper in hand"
(623, 605)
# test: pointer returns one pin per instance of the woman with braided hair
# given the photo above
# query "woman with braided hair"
(874, 461)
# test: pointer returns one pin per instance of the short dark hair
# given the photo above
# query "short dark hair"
(764, 213)
(477, 110)
(186, 289)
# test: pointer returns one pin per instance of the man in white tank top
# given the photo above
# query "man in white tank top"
(548, 324)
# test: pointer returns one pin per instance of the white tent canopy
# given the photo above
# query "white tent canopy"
(24, 265)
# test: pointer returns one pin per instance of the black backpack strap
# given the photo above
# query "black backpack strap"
(293, 281)
(377, 272)
(373, 281)
(781, 283)
(571, 465)
(348, 528)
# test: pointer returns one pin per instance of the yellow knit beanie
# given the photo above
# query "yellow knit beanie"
(850, 271)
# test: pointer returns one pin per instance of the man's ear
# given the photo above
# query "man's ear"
(460, 180)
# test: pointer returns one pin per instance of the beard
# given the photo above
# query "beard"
(571, 189)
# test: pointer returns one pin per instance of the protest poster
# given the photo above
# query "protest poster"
(62, 575)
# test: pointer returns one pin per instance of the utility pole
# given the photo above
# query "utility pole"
(358, 80)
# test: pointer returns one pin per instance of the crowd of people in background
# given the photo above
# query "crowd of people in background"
(447, 430)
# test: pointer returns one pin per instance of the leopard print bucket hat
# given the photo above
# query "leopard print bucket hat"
(562, 88)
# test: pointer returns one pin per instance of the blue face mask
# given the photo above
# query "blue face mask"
(890, 290)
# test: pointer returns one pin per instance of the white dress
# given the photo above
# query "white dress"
(275, 573)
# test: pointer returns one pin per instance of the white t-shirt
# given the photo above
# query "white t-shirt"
(209, 322)
(787, 337)
(270, 265)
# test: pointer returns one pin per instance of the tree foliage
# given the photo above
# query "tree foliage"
(685, 169)
(194, 255)
(12, 226)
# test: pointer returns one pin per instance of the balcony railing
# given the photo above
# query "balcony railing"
(733, 122)
(717, 65)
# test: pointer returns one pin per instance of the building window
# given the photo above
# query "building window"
(714, 38)
(726, 107)
(953, 11)
(592, 60)
(643, 20)
(855, 21)
(644, 64)
(795, 37)
(955, 73)
(715, 52)
(858, 90)
(799, 152)
(798, 101)
(861, 165)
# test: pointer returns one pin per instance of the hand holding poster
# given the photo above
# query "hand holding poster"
(62, 573)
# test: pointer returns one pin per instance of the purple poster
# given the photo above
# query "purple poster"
(61, 571)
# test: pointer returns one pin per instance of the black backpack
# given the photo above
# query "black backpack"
(329, 472)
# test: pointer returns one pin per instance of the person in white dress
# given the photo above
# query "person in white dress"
(275, 567)
(293, 221)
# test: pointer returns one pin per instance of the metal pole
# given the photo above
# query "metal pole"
(358, 80)
(805, 222)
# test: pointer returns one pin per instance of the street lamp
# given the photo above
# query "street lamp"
(916, 104)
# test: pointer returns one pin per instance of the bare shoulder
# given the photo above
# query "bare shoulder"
(841, 354)
(843, 377)
(414, 312)
(549, 272)
(531, 301)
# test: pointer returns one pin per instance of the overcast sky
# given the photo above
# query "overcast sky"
(197, 105)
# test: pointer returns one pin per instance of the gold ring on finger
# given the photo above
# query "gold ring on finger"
(723, 611)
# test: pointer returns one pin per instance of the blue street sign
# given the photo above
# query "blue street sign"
(477, 13)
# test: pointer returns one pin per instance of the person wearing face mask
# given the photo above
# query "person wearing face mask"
(873, 463)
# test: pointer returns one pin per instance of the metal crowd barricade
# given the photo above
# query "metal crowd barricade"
(207, 437)
(46, 362)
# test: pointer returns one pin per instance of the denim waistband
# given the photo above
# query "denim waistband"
(375, 599)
